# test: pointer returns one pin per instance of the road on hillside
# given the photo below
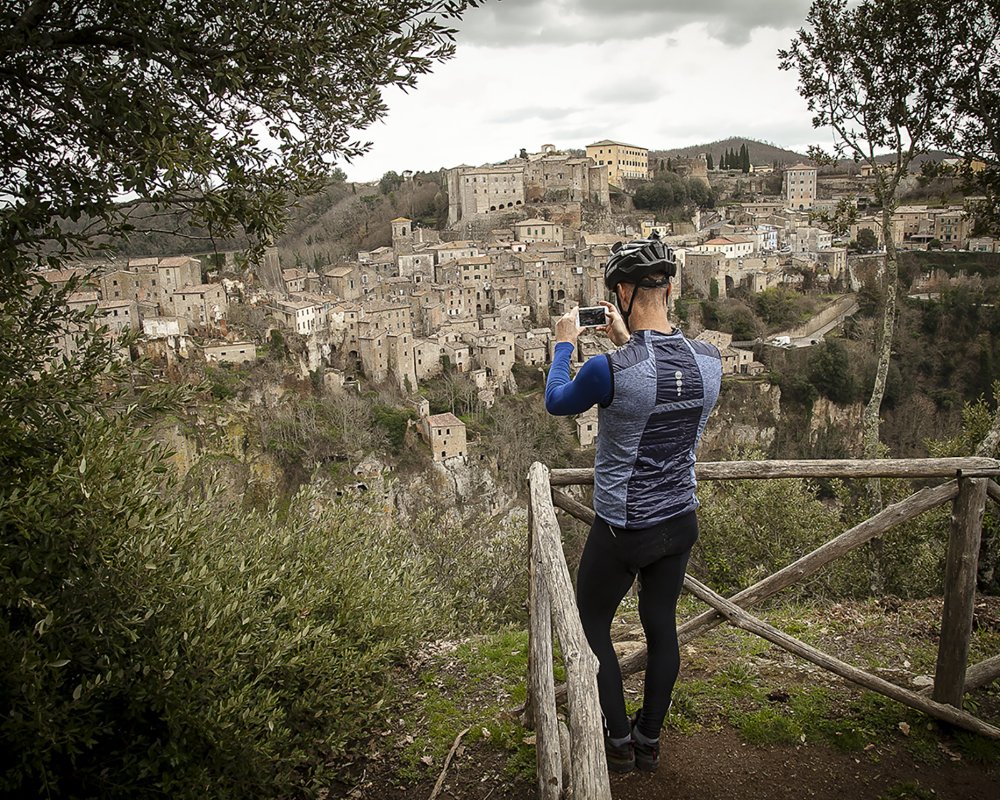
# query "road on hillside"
(814, 335)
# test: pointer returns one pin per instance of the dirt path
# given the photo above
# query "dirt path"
(718, 764)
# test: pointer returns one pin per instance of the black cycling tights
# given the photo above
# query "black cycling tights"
(610, 562)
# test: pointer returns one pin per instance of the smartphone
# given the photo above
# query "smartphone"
(592, 317)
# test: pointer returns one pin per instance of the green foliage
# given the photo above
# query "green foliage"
(455, 699)
(393, 422)
(521, 431)
(977, 419)
(153, 647)
(908, 790)
(867, 241)
(767, 725)
(777, 307)
(469, 562)
(278, 349)
(830, 371)
(670, 191)
(223, 383)
(389, 181)
(228, 108)
(750, 529)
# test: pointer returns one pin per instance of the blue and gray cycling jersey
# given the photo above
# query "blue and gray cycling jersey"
(654, 394)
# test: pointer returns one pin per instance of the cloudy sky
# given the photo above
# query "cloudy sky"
(656, 73)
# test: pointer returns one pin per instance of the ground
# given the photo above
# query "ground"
(749, 720)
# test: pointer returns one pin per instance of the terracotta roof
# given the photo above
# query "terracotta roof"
(445, 420)
(176, 261)
(606, 142)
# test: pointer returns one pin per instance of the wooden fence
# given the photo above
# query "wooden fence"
(571, 757)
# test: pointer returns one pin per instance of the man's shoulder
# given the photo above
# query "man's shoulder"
(703, 348)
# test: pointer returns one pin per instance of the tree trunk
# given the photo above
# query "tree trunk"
(873, 411)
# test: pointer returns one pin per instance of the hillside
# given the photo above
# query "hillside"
(760, 152)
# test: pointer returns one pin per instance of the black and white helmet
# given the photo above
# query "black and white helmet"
(645, 262)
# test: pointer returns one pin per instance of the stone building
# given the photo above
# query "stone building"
(480, 190)
(295, 280)
(951, 229)
(231, 352)
(301, 316)
(417, 266)
(118, 315)
(173, 274)
(624, 161)
(445, 433)
(530, 352)
(542, 177)
(373, 356)
(538, 230)
(202, 304)
(123, 284)
(700, 269)
(344, 282)
(729, 246)
(562, 178)
(586, 427)
(800, 186)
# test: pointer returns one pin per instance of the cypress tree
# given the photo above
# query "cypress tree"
(709, 161)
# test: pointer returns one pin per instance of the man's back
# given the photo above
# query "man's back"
(663, 388)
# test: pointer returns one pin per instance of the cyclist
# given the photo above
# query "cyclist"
(654, 395)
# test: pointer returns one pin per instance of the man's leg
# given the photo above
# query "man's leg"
(660, 585)
(601, 584)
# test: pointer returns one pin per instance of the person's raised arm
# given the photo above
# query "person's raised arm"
(564, 396)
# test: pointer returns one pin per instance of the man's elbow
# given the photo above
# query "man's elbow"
(553, 405)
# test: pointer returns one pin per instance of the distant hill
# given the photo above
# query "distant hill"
(760, 152)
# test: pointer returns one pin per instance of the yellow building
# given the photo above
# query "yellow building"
(624, 161)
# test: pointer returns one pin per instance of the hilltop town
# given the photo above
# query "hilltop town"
(526, 240)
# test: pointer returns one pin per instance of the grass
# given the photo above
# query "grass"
(452, 698)
(911, 790)
(729, 679)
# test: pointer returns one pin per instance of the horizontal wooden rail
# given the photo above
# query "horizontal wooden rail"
(968, 491)
(813, 468)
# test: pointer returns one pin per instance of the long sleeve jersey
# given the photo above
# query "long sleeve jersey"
(654, 396)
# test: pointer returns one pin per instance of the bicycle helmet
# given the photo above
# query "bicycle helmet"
(638, 261)
(647, 263)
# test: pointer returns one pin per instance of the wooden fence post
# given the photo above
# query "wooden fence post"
(541, 680)
(959, 591)
(589, 769)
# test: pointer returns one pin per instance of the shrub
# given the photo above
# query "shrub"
(478, 569)
(150, 647)
(751, 528)
(153, 648)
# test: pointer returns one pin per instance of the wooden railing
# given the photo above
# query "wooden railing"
(570, 757)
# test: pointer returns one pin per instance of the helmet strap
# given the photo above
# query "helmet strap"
(631, 302)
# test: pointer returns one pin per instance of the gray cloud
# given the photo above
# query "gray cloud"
(624, 92)
(545, 113)
(510, 23)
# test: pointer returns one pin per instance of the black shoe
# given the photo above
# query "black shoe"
(647, 756)
(621, 757)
